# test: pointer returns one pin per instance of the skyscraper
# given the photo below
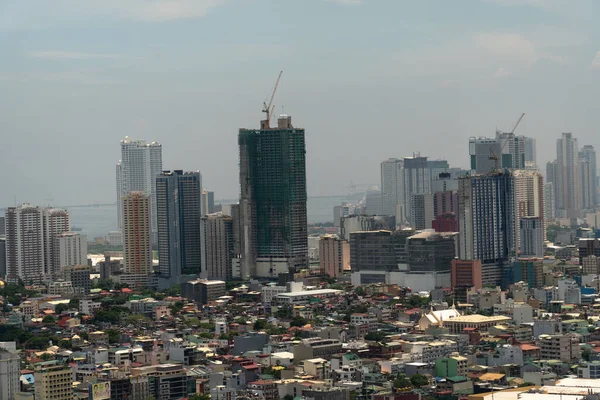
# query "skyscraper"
(56, 221)
(24, 244)
(530, 153)
(529, 196)
(486, 215)
(216, 238)
(178, 221)
(391, 185)
(588, 176)
(568, 188)
(532, 236)
(549, 206)
(416, 179)
(273, 199)
(137, 170)
(551, 178)
(70, 249)
(137, 232)
(509, 149)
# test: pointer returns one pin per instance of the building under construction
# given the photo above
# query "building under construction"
(273, 199)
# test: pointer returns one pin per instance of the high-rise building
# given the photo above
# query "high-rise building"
(373, 201)
(549, 204)
(588, 177)
(391, 185)
(510, 150)
(10, 372)
(216, 239)
(486, 215)
(568, 187)
(208, 202)
(334, 255)
(437, 168)
(53, 380)
(178, 221)
(466, 273)
(447, 222)
(416, 179)
(2, 257)
(532, 236)
(56, 221)
(529, 197)
(137, 233)
(140, 163)
(24, 244)
(480, 150)
(2, 226)
(530, 153)
(373, 250)
(273, 199)
(422, 210)
(70, 249)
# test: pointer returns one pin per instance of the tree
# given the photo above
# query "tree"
(61, 308)
(176, 308)
(288, 397)
(298, 321)
(198, 396)
(104, 284)
(114, 336)
(49, 319)
(260, 324)
(74, 304)
(375, 336)
(402, 381)
(419, 380)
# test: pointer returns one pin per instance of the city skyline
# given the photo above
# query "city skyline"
(107, 89)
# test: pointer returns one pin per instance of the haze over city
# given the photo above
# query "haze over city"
(366, 79)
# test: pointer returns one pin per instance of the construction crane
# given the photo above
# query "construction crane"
(510, 135)
(268, 108)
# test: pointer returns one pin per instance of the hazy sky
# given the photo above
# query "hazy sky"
(368, 79)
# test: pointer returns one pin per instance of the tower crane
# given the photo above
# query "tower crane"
(268, 108)
(510, 135)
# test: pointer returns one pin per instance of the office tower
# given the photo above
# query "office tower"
(568, 189)
(24, 244)
(507, 148)
(486, 215)
(391, 185)
(466, 273)
(513, 150)
(416, 179)
(373, 201)
(108, 267)
(444, 182)
(430, 252)
(334, 255)
(528, 270)
(480, 150)
(140, 163)
(549, 205)
(529, 196)
(70, 248)
(10, 372)
(178, 221)
(53, 380)
(436, 168)
(56, 221)
(532, 236)
(137, 233)
(79, 276)
(422, 210)
(216, 238)
(588, 176)
(373, 251)
(273, 199)
(530, 153)
(210, 196)
(2, 226)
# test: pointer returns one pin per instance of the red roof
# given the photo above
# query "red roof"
(528, 347)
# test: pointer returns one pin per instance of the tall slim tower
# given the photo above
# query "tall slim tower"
(137, 170)
(529, 198)
(56, 221)
(588, 176)
(137, 232)
(487, 217)
(24, 244)
(273, 199)
(216, 238)
(416, 179)
(391, 185)
(568, 188)
(178, 219)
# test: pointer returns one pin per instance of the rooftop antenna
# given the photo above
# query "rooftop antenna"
(268, 108)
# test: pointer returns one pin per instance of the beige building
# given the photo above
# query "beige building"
(137, 233)
(216, 241)
(53, 380)
(334, 255)
(479, 322)
(559, 347)
(71, 249)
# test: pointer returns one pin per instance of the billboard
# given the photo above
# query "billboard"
(100, 391)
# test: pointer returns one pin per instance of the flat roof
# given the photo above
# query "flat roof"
(309, 292)
(476, 318)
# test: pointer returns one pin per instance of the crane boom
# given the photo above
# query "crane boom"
(509, 137)
(517, 124)
(267, 108)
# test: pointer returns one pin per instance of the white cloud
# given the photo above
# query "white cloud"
(72, 55)
(596, 61)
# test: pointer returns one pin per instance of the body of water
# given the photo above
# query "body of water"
(98, 221)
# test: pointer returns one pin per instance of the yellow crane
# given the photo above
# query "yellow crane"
(510, 135)
(268, 108)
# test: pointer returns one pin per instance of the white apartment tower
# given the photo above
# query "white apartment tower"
(71, 248)
(391, 186)
(137, 233)
(56, 221)
(24, 244)
(140, 163)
